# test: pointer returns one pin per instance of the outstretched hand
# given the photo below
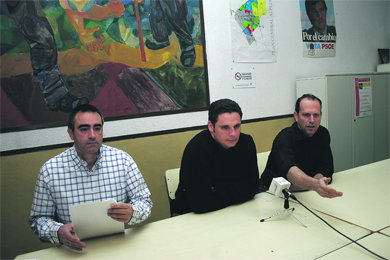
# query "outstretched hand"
(67, 238)
(324, 190)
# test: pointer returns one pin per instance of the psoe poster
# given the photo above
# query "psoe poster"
(318, 28)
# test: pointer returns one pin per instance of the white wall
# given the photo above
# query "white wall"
(362, 27)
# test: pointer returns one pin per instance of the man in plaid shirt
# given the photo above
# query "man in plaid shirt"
(88, 171)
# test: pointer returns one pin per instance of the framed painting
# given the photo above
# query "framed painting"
(129, 58)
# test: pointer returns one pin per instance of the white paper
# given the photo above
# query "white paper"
(90, 219)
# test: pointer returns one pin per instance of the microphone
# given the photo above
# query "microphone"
(287, 194)
(278, 185)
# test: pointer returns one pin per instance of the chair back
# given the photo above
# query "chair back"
(172, 181)
(262, 159)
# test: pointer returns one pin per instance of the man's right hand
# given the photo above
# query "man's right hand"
(71, 241)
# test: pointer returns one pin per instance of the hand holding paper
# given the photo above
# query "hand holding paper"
(91, 219)
(121, 212)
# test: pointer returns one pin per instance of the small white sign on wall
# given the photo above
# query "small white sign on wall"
(243, 77)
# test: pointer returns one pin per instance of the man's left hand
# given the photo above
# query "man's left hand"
(121, 212)
(324, 190)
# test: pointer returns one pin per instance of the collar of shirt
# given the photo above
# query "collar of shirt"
(301, 136)
(79, 162)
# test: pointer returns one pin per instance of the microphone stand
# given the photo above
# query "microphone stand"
(287, 208)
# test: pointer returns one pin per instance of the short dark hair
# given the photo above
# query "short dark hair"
(82, 108)
(223, 106)
(308, 96)
(310, 3)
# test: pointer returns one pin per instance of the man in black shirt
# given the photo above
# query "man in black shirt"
(301, 153)
(219, 165)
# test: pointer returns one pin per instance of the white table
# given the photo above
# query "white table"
(378, 243)
(385, 231)
(237, 233)
(231, 233)
(366, 198)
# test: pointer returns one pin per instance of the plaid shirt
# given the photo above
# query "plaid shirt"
(66, 179)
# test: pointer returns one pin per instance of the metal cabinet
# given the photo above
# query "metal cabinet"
(356, 138)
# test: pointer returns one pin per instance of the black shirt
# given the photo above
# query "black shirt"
(292, 147)
(212, 177)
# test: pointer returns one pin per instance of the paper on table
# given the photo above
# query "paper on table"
(90, 219)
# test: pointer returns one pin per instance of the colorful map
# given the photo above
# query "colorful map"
(252, 31)
(248, 17)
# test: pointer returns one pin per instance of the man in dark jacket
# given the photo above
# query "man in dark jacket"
(219, 165)
(301, 153)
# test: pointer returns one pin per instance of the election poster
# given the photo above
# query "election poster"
(318, 28)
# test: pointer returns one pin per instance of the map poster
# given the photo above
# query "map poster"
(318, 28)
(252, 31)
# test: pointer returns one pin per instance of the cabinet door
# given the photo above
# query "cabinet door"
(381, 107)
(339, 103)
(363, 128)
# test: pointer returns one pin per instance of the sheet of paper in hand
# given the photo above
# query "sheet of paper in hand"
(90, 219)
